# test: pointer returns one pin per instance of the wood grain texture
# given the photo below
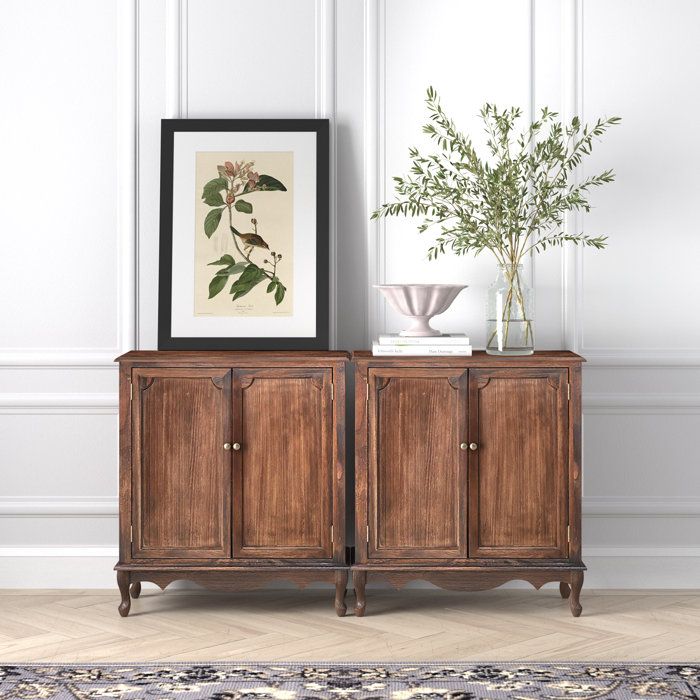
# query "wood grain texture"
(230, 358)
(518, 475)
(475, 579)
(195, 625)
(283, 472)
(541, 358)
(181, 472)
(417, 472)
(524, 476)
(176, 485)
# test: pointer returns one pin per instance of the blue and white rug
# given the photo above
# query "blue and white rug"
(359, 681)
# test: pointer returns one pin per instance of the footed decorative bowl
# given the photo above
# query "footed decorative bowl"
(420, 302)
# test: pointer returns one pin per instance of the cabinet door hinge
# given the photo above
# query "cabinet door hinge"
(568, 392)
(568, 533)
(367, 392)
(368, 533)
(131, 391)
(131, 533)
(331, 534)
(332, 392)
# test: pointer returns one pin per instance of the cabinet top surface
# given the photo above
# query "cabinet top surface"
(225, 357)
(479, 358)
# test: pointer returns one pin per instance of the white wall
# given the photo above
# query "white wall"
(85, 85)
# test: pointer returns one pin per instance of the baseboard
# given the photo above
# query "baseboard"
(608, 567)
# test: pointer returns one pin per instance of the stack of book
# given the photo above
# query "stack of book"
(447, 344)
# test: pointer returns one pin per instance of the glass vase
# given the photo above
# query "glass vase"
(509, 314)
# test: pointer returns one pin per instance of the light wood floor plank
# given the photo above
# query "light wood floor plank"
(418, 625)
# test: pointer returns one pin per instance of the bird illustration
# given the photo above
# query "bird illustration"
(250, 240)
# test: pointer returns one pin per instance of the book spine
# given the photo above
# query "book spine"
(417, 350)
(429, 340)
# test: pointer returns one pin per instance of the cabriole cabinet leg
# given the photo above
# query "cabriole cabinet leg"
(576, 585)
(359, 579)
(564, 589)
(123, 583)
(341, 587)
(135, 589)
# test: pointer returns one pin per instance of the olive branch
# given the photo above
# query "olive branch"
(512, 203)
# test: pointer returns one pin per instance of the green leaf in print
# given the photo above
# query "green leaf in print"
(214, 199)
(279, 293)
(232, 270)
(251, 277)
(216, 285)
(224, 260)
(243, 206)
(266, 183)
(215, 185)
(211, 222)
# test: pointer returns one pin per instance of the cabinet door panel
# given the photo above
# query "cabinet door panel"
(417, 472)
(283, 472)
(181, 473)
(518, 475)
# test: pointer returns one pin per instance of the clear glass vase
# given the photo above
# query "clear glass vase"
(509, 314)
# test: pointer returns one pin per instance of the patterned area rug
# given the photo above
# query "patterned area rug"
(361, 681)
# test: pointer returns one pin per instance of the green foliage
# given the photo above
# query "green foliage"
(243, 206)
(251, 277)
(211, 222)
(266, 183)
(234, 180)
(511, 203)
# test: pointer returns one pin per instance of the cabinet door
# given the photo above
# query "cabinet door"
(283, 421)
(181, 472)
(416, 469)
(518, 473)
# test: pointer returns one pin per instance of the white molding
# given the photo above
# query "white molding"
(643, 358)
(641, 507)
(111, 552)
(592, 507)
(375, 159)
(325, 97)
(57, 358)
(649, 403)
(58, 507)
(183, 28)
(645, 552)
(52, 403)
(127, 96)
(572, 105)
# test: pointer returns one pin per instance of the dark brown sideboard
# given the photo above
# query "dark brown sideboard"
(468, 471)
(232, 470)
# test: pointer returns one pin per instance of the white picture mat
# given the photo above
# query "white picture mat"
(302, 322)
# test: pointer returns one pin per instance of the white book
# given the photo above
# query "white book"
(421, 350)
(445, 339)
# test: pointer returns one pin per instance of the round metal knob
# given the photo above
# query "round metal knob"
(236, 446)
(473, 446)
(463, 446)
(227, 445)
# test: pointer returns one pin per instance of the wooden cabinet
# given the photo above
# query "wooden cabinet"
(232, 469)
(468, 471)
(181, 476)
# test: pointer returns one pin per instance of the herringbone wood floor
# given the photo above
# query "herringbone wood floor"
(83, 626)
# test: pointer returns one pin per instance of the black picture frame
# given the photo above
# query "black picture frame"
(169, 127)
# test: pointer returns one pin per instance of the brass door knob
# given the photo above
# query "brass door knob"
(227, 445)
(236, 446)
(473, 446)
(463, 446)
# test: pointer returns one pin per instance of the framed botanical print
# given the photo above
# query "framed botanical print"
(243, 234)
